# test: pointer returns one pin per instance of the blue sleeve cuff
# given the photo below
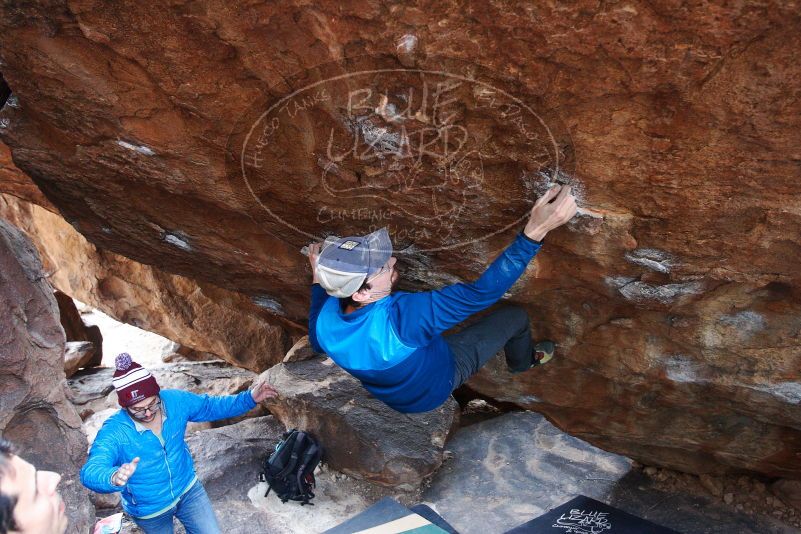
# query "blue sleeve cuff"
(101, 483)
(527, 238)
(250, 403)
(318, 290)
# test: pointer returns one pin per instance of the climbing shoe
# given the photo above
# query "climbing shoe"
(543, 352)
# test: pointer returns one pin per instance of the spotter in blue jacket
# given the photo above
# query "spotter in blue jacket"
(166, 470)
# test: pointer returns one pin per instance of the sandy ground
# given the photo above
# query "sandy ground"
(338, 498)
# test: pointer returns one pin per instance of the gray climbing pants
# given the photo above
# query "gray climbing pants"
(506, 328)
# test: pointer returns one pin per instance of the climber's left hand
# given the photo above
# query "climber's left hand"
(262, 391)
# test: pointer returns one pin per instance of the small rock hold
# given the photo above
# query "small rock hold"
(712, 485)
(407, 50)
(728, 498)
(650, 471)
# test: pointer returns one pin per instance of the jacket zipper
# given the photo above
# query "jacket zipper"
(169, 471)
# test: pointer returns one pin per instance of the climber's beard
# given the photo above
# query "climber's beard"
(142, 418)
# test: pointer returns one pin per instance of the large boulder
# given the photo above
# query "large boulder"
(76, 330)
(34, 412)
(674, 295)
(229, 459)
(78, 355)
(361, 435)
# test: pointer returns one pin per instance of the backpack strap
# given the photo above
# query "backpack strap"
(278, 458)
(308, 457)
(293, 460)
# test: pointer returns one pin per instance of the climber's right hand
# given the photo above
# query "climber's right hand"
(126, 471)
(314, 252)
(552, 210)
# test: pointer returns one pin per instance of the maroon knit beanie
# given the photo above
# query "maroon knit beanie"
(133, 382)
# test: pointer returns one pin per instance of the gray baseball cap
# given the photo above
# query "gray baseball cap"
(346, 262)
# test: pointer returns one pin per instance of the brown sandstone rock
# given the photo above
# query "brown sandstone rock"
(34, 412)
(674, 296)
(301, 350)
(361, 436)
(78, 355)
(17, 183)
(201, 317)
(76, 330)
(229, 459)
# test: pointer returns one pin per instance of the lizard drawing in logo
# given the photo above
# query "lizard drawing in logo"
(389, 159)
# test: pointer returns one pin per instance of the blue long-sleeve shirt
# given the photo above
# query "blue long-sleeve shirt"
(395, 347)
(165, 470)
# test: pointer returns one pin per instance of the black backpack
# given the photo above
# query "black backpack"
(289, 470)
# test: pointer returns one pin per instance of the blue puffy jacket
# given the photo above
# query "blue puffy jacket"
(165, 471)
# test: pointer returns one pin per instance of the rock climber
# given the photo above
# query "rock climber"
(392, 340)
(140, 450)
(29, 502)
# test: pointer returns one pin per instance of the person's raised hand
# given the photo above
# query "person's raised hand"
(126, 471)
(314, 253)
(262, 391)
(551, 210)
